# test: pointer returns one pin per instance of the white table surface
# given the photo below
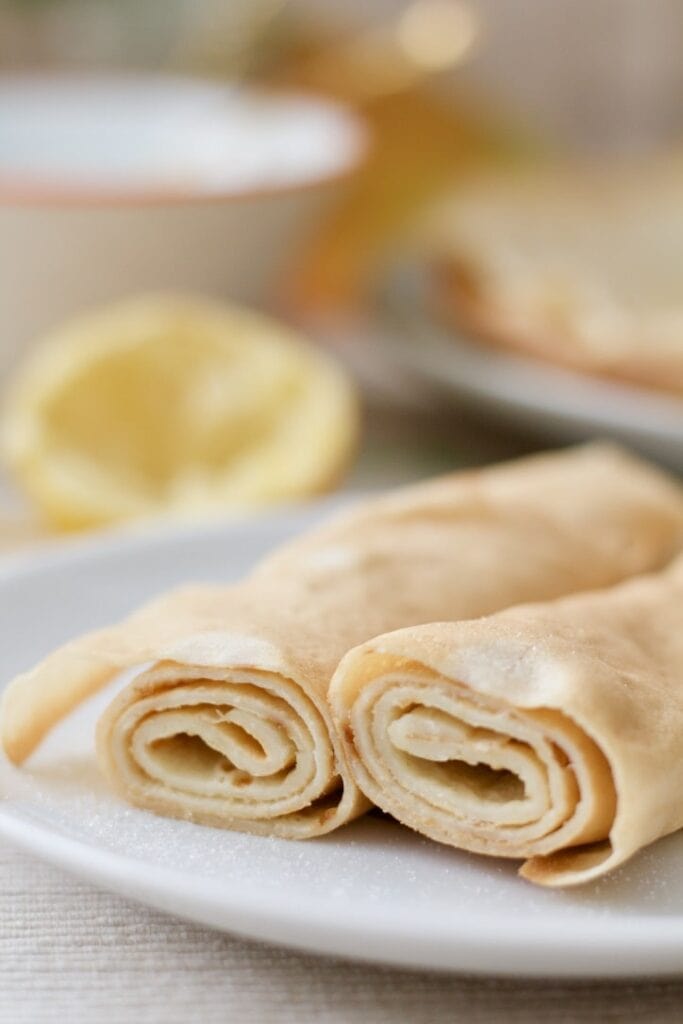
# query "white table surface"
(70, 954)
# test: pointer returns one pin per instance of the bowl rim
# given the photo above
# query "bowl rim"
(42, 191)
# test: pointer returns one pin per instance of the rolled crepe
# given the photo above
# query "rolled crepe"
(230, 724)
(550, 732)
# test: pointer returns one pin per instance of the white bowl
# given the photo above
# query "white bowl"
(119, 184)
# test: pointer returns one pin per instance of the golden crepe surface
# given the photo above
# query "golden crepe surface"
(230, 725)
(581, 267)
(549, 732)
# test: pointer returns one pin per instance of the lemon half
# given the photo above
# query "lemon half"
(169, 404)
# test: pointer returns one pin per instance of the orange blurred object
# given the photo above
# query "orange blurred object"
(421, 142)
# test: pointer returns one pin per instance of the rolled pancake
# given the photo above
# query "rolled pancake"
(552, 733)
(231, 726)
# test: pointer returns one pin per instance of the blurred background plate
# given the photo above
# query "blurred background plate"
(557, 403)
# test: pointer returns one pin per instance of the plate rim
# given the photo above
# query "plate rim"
(645, 945)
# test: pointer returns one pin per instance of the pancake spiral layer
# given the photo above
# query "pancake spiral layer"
(551, 733)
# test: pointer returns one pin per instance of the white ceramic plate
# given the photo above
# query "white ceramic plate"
(555, 402)
(372, 891)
